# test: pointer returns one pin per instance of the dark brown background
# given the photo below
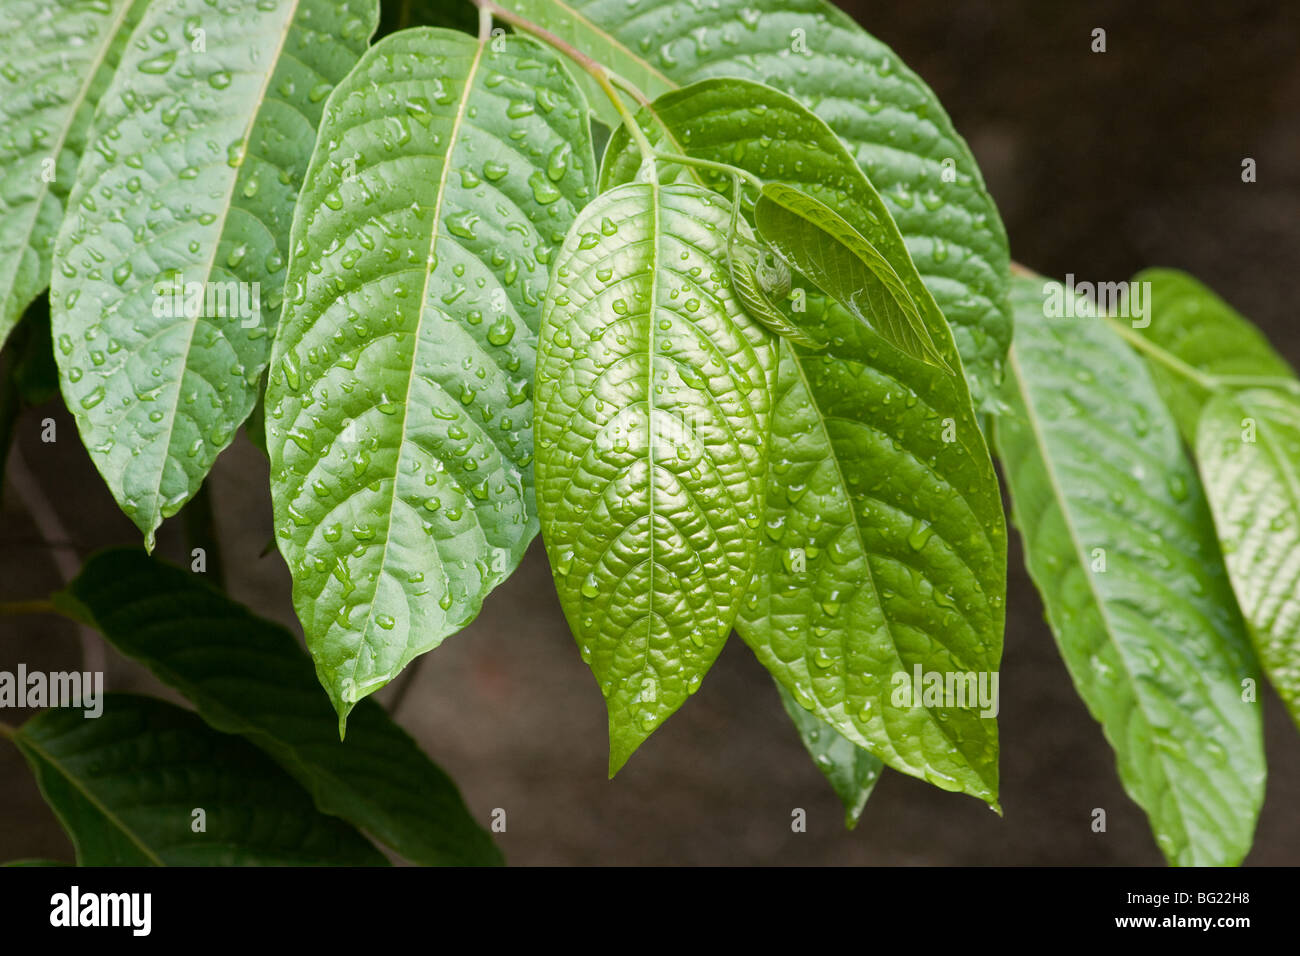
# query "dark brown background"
(1101, 164)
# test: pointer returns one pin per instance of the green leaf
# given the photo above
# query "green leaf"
(169, 267)
(125, 786)
(851, 770)
(36, 862)
(817, 241)
(399, 412)
(1248, 449)
(653, 409)
(1198, 330)
(885, 544)
(248, 676)
(1119, 542)
(892, 123)
(59, 56)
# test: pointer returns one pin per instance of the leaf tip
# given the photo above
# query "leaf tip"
(343, 708)
(625, 737)
(618, 755)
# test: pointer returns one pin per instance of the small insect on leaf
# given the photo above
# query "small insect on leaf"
(818, 242)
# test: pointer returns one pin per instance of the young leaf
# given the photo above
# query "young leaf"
(891, 122)
(248, 676)
(59, 56)
(757, 273)
(653, 408)
(748, 287)
(1120, 544)
(399, 415)
(1248, 449)
(168, 268)
(851, 771)
(126, 784)
(819, 243)
(884, 518)
(1196, 328)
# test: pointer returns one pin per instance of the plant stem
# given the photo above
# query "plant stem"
(1171, 362)
(10, 406)
(408, 679)
(1258, 381)
(710, 164)
(605, 78)
(1141, 343)
(201, 532)
(34, 606)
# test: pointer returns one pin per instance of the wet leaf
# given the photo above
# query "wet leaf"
(1119, 542)
(653, 410)
(169, 267)
(399, 405)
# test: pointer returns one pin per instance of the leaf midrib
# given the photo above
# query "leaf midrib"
(1013, 362)
(453, 139)
(90, 798)
(653, 308)
(1266, 424)
(227, 205)
(75, 104)
(862, 546)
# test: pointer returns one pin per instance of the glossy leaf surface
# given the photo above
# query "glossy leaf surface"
(399, 406)
(1120, 543)
(169, 267)
(653, 410)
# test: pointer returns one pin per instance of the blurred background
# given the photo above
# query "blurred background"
(1101, 164)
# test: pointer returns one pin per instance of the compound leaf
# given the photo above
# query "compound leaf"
(892, 123)
(125, 786)
(1120, 543)
(885, 542)
(248, 676)
(1248, 449)
(653, 409)
(819, 243)
(851, 771)
(1198, 329)
(59, 55)
(168, 268)
(399, 412)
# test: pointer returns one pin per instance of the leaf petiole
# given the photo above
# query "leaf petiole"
(1210, 383)
(1171, 362)
(609, 81)
(734, 171)
(34, 606)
